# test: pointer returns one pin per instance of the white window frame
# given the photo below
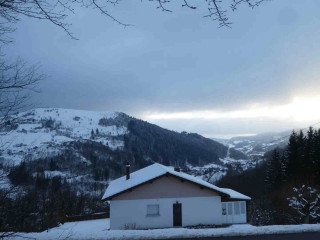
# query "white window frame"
(153, 210)
(230, 208)
(236, 206)
(224, 209)
(243, 207)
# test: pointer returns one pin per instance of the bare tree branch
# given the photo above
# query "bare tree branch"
(57, 11)
(186, 4)
(17, 82)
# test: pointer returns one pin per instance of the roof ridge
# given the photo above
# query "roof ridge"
(156, 170)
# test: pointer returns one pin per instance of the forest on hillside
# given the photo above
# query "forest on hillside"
(285, 188)
(73, 181)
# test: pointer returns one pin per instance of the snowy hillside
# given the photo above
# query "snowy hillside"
(253, 148)
(214, 172)
(256, 146)
(42, 132)
(86, 147)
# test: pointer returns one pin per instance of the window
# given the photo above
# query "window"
(229, 208)
(224, 209)
(236, 208)
(152, 210)
(243, 207)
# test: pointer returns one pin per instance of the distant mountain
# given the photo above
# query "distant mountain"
(256, 146)
(90, 148)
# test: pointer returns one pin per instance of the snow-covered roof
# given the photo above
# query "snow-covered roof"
(156, 170)
(235, 195)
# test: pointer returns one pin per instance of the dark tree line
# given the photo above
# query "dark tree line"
(299, 163)
(285, 187)
(169, 147)
(41, 202)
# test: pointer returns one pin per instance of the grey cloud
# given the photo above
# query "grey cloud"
(175, 61)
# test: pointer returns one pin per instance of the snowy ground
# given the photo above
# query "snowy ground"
(43, 131)
(99, 229)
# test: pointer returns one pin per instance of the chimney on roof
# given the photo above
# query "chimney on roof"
(176, 167)
(128, 171)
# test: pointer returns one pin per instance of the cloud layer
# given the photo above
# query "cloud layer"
(179, 67)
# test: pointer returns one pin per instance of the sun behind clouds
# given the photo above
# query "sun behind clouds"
(301, 109)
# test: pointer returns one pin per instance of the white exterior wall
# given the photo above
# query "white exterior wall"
(132, 214)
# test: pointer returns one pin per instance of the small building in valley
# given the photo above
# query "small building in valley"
(161, 197)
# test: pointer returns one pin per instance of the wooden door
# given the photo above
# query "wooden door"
(177, 214)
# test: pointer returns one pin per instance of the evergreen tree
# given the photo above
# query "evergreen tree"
(317, 154)
(308, 156)
(53, 165)
(283, 174)
(306, 202)
(275, 171)
(292, 155)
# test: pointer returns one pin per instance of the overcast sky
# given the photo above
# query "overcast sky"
(179, 70)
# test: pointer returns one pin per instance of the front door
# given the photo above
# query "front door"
(177, 214)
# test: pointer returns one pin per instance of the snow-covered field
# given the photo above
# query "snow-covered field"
(43, 131)
(99, 229)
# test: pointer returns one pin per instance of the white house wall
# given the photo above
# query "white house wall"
(132, 214)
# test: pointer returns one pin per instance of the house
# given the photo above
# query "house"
(161, 197)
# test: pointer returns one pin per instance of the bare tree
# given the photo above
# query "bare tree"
(57, 11)
(17, 82)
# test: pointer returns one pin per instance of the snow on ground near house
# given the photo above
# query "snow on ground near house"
(98, 229)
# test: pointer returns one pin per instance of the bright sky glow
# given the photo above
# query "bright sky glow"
(300, 109)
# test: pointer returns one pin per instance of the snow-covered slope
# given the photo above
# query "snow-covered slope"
(253, 148)
(42, 132)
(256, 146)
(87, 147)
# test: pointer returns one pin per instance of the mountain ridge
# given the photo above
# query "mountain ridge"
(91, 148)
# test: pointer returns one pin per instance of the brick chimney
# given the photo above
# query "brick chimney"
(176, 167)
(128, 171)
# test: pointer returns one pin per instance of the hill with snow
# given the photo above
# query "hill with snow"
(256, 146)
(90, 148)
(43, 132)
